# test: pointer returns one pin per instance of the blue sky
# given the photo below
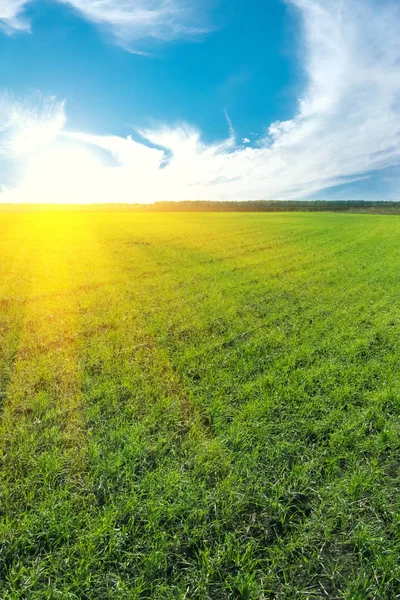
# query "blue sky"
(244, 65)
(140, 100)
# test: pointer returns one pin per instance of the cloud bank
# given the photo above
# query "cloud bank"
(129, 21)
(346, 127)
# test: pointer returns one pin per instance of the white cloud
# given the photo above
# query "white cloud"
(129, 21)
(134, 20)
(26, 125)
(347, 123)
(11, 15)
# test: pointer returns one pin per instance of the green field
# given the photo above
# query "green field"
(199, 406)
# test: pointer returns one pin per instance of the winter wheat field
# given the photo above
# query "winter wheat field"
(199, 406)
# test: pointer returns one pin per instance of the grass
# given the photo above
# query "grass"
(199, 406)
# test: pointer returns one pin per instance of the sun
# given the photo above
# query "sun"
(61, 174)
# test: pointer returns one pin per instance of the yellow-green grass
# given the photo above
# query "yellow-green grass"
(199, 406)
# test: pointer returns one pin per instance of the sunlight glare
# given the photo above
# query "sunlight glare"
(61, 174)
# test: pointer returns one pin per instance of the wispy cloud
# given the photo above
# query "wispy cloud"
(129, 21)
(347, 124)
(132, 21)
(28, 124)
(11, 15)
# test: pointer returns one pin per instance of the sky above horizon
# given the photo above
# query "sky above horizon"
(143, 100)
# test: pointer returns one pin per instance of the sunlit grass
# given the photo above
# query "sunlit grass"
(199, 406)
